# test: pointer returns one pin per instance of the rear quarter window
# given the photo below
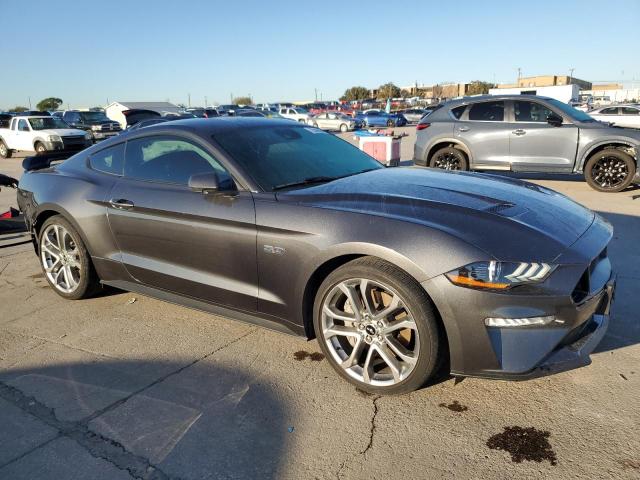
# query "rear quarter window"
(458, 111)
(110, 160)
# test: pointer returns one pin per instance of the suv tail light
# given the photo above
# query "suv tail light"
(422, 126)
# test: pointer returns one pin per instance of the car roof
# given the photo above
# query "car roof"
(483, 98)
(211, 126)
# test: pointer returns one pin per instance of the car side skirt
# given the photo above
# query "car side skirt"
(240, 315)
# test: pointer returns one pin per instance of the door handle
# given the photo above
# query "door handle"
(121, 204)
(463, 129)
(519, 132)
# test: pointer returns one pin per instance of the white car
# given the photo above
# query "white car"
(298, 114)
(619, 115)
(334, 121)
(41, 134)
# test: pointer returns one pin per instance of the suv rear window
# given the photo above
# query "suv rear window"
(458, 111)
(487, 112)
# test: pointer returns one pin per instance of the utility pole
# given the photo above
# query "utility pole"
(29, 103)
(231, 97)
(189, 99)
(205, 101)
(316, 94)
(519, 75)
(571, 75)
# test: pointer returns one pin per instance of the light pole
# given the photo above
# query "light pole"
(571, 75)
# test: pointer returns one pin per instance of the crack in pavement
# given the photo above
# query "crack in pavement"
(372, 431)
(97, 445)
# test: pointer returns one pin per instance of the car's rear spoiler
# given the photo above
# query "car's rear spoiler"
(38, 162)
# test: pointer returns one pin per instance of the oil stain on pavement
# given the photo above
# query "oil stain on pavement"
(455, 406)
(302, 355)
(524, 444)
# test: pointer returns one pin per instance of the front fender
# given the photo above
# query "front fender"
(589, 148)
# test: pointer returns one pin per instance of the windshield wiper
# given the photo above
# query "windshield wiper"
(306, 181)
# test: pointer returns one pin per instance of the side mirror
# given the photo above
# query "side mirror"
(211, 183)
(554, 119)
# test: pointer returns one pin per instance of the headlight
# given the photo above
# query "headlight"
(88, 136)
(55, 138)
(495, 275)
(95, 127)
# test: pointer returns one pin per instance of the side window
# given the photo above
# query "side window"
(167, 159)
(630, 111)
(22, 125)
(609, 111)
(110, 160)
(487, 111)
(458, 111)
(530, 112)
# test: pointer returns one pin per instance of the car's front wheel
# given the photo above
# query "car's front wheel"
(449, 158)
(344, 128)
(65, 261)
(4, 150)
(40, 147)
(609, 170)
(377, 327)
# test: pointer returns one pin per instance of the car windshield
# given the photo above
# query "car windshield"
(281, 155)
(567, 109)
(94, 117)
(45, 123)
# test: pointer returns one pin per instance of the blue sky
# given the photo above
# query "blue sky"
(88, 52)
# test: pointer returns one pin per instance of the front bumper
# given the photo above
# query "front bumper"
(97, 135)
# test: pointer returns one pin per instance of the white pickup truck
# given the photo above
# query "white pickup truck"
(41, 134)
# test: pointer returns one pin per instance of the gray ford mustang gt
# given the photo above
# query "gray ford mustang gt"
(396, 271)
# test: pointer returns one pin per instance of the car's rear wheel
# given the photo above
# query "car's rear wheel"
(344, 128)
(449, 158)
(609, 170)
(40, 147)
(390, 123)
(4, 150)
(65, 261)
(377, 327)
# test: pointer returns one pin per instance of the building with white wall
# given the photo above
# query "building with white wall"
(564, 93)
(114, 110)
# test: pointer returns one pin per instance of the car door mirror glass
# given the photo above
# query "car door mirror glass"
(212, 182)
(554, 119)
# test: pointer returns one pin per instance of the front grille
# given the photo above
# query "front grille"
(73, 141)
(583, 288)
(110, 127)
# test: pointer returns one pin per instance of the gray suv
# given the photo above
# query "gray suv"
(527, 134)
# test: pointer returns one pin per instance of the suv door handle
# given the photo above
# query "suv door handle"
(519, 132)
(463, 129)
(121, 204)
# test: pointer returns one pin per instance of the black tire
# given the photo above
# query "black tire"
(40, 148)
(390, 123)
(449, 158)
(88, 283)
(430, 338)
(5, 152)
(610, 170)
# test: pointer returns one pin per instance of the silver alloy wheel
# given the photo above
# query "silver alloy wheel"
(3, 149)
(370, 332)
(41, 148)
(60, 258)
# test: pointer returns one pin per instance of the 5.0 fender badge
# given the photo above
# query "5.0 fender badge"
(274, 250)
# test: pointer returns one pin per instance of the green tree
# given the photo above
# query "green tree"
(355, 93)
(19, 109)
(388, 90)
(51, 103)
(478, 87)
(242, 101)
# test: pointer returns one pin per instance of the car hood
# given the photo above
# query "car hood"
(507, 218)
(62, 132)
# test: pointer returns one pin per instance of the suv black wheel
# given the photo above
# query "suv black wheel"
(449, 158)
(377, 327)
(609, 170)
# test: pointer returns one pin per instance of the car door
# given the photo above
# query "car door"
(629, 117)
(23, 135)
(179, 240)
(483, 130)
(534, 144)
